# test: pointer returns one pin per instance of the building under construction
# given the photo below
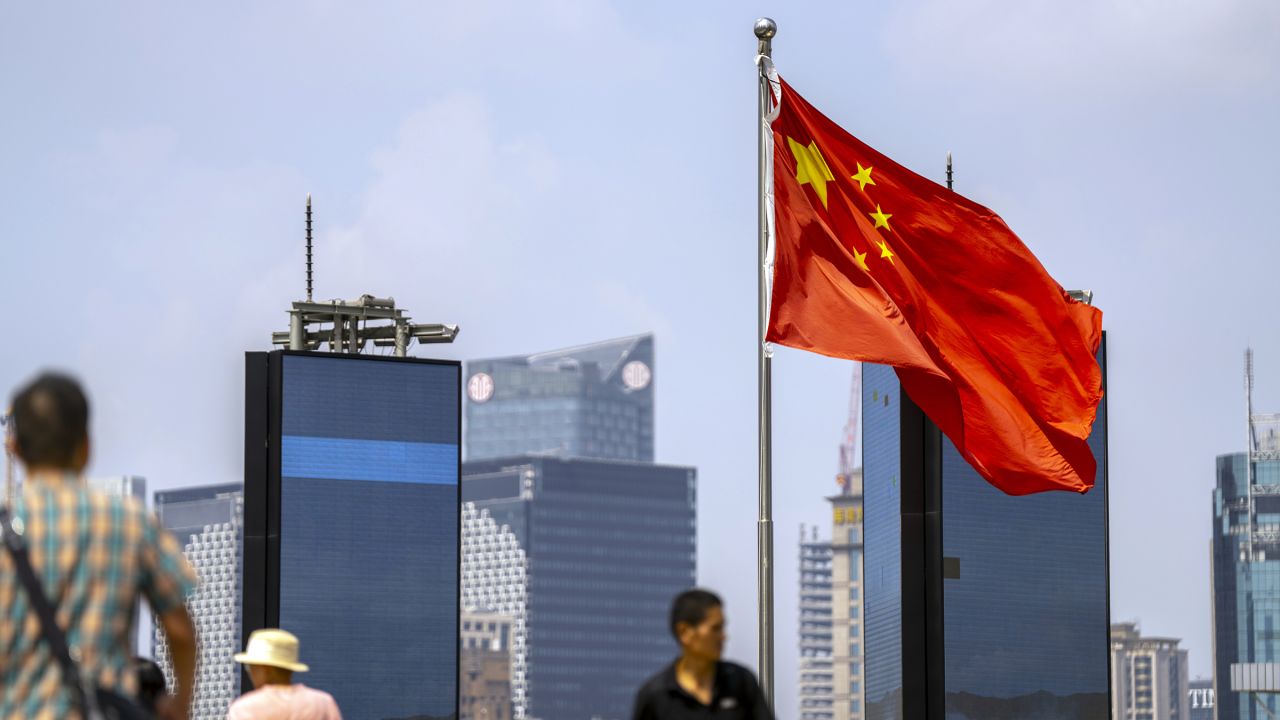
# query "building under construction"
(831, 592)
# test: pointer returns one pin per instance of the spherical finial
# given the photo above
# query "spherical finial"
(766, 28)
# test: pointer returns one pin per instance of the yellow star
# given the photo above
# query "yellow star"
(882, 220)
(863, 177)
(811, 169)
(884, 251)
(861, 259)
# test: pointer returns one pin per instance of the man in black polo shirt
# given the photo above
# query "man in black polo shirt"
(699, 684)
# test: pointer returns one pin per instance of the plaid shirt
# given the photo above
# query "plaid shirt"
(95, 554)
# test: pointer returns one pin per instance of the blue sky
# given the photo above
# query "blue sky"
(549, 173)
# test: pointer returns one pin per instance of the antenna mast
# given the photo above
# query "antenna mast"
(308, 247)
(344, 324)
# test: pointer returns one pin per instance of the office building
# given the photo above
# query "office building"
(1200, 699)
(207, 521)
(1246, 571)
(495, 610)
(608, 544)
(977, 604)
(592, 401)
(831, 612)
(1148, 676)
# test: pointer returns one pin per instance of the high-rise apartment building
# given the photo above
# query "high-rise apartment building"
(1148, 676)
(207, 522)
(592, 401)
(1246, 574)
(977, 604)
(817, 682)
(609, 544)
(831, 612)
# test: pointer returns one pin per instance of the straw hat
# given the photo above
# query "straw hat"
(276, 648)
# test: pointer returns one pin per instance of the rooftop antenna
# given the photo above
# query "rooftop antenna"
(948, 179)
(345, 324)
(308, 247)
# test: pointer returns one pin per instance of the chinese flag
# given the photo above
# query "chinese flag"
(874, 262)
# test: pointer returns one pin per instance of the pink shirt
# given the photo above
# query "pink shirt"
(284, 702)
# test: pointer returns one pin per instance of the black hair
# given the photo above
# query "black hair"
(691, 607)
(151, 684)
(51, 420)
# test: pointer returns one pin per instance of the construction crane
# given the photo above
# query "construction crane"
(849, 442)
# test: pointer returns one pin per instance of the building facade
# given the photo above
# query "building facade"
(608, 544)
(495, 588)
(1022, 582)
(831, 660)
(1149, 676)
(1200, 699)
(134, 486)
(1246, 574)
(591, 401)
(207, 522)
(817, 667)
(485, 667)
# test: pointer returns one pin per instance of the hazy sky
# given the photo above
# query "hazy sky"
(551, 173)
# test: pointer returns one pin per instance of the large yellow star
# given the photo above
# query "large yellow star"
(861, 259)
(811, 169)
(885, 252)
(863, 177)
(882, 219)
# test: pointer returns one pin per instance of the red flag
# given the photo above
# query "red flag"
(874, 262)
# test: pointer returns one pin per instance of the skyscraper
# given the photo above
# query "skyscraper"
(207, 522)
(978, 604)
(591, 401)
(609, 543)
(1246, 569)
(1148, 676)
(831, 612)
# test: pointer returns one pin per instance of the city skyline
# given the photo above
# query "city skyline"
(161, 157)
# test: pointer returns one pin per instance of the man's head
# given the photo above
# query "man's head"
(271, 657)
(697, 622)
(51, 424)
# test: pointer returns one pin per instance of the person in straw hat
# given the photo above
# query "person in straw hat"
(271, 660)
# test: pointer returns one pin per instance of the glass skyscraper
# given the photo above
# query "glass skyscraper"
(609, 544)
(1022, 610)
(352, 524)
(1246, 574)
(589, 401)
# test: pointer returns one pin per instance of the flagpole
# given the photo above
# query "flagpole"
(765, 29)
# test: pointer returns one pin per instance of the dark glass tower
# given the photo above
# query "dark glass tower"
(589, 401)
(609, 544)
(978, 604)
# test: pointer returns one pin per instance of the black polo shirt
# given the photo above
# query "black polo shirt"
(735, 696)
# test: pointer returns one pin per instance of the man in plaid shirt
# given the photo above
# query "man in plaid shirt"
(95, 555)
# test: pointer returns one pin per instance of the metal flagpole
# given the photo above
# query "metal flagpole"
(765, 29)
